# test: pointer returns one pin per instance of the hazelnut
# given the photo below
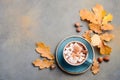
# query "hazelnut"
(106, 58)
(52, 66)
(77, 24)
(100, 59)
(78, 29)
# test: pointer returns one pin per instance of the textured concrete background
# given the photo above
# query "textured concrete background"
(24, 22)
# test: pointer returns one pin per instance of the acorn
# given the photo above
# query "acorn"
(77, 24)
(106, 58)
(78, 29)
(52, 66)
(100, 59)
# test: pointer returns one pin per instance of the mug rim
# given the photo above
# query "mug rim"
(80, 62)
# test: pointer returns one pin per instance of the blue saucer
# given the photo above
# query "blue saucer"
(69, 68)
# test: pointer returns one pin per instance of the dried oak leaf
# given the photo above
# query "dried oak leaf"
(106, 36)
(107, 19)
(99, 12)
(88, 15)
(105, 49)
(87, 35)
(95, 28)
(44, 50)
(107, 27)
(43, 63)
(95, 67)
(95, 40)
(95, 16)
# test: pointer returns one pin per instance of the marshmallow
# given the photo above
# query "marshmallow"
(69, 53)
(80, 60)
(67, 48)
(76, 44)
(74, 61)
(70, 59)
(76, 58)
(71, 45)
(66, 56)
(82, 54)
(70, 49)
(65, 52)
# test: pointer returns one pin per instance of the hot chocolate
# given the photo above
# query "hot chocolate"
(75, 53)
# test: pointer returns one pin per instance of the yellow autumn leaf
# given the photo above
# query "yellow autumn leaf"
(105, 49)
(103, 13)
(107, 18)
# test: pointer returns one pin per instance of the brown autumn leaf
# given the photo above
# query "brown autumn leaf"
(88, 15)
(95, 67)
(99, 12)
(87, 35)
(95, 40)
(44, 50)
(107, 37)
(107, 27)
(43, 63)
(95, 28)
(98, 18)
(105, 49)
(95, 16)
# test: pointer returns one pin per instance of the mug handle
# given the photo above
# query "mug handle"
(88, 61)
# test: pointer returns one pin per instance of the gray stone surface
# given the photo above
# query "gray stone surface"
(24, 22)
